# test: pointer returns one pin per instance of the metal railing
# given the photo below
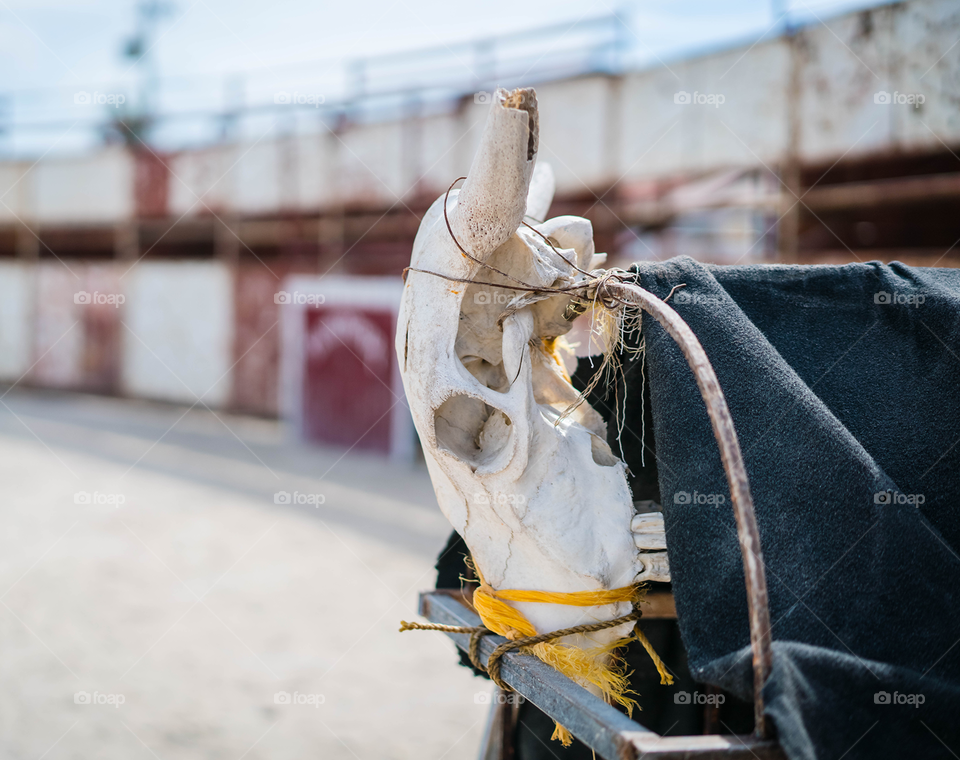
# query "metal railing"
(186, 112)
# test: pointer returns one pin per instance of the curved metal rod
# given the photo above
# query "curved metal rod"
(736, 473)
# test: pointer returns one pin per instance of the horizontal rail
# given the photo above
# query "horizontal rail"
(607, 731)
(881, 192)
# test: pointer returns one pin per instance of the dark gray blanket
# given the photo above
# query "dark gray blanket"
(844, 386)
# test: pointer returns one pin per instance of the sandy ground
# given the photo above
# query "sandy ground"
(185, 610)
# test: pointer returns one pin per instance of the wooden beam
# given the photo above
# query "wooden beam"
(659, 605)
(882, 192)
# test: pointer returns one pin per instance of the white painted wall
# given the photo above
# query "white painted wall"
(58, 326)
(574, 123)
(178, 339)
(371, 162)
(258, 174)
(316, 163)
(445, 146)
(17, 291)
(92, 189)
(202, 181)
(910, 49)
(14, 192)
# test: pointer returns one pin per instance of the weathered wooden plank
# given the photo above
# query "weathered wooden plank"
(659, 605)
(883, 192)
(610, 733)
(704, 747)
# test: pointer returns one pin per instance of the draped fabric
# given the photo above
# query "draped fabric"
(844, 386)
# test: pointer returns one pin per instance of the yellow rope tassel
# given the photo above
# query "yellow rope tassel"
(562, 735)
(592, 666)
(665, 678)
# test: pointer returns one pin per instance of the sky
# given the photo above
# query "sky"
(51, 49)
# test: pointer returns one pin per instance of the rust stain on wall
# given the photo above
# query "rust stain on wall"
(151, 184)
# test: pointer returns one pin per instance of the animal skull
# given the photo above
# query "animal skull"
(539, 498)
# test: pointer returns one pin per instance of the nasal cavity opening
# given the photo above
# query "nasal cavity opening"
(470, 429)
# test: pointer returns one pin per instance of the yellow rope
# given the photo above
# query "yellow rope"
(573, 598)
(592, 666)
(665, 678)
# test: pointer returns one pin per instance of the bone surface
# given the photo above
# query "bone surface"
(539, 497)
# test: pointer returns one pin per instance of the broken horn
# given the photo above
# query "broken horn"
(493, 200)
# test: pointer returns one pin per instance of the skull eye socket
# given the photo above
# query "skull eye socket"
(471, 430)
(491, 375)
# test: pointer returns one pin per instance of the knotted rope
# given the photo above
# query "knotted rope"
(586, 666)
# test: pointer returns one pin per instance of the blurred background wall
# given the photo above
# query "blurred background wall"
(151, 260)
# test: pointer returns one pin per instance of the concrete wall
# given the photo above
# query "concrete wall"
(92, 189)
(906, 48)
(59, 324)
(575, 132)
(201, 181)
(156, 330)
(58, 337)
(17, 304)
(13, 191)
(743, 122)
(178, 332)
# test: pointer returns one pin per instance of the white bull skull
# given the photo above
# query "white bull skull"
(542, 505)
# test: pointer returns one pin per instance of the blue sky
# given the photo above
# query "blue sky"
(51, 42)
(51, 48)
